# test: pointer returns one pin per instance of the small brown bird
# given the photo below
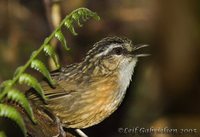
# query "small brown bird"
(88, 92)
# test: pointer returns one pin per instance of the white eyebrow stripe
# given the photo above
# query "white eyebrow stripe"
(111, 47)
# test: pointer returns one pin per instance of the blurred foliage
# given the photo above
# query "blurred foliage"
(166, 87)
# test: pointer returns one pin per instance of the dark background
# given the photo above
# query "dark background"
(165, 91)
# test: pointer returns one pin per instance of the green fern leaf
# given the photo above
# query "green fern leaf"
(61, 38)
(69, 24)
(39, 66)
(75, 16)
(6, 83)
(3, 86)
(2, 134)
(86, 14)
(79, 23)
(19, 97)
(32, 82)
(72, 30)
(34, 53)
(50, 51)
(13, 114)
(18, 70)
(83, 13)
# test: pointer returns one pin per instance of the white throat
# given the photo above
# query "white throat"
(125, 76)
(126, 72)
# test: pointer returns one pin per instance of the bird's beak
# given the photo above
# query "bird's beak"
(140, 50)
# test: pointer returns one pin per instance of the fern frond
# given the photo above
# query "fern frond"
(61, 38)
(6, 83)
(11, 113)
(50, 51)
(69, 24)
(39, 66)
(19, 97)
(6, 88)
(3, 88)
(32, 82)
(18, 70)
(77, 15)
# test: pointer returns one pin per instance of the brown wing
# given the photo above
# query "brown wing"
(60, 88)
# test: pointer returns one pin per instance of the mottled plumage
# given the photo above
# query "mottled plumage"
(88, 92)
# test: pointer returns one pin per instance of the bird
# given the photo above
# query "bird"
(88, 92)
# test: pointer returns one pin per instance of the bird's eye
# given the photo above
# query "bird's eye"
(118, 51)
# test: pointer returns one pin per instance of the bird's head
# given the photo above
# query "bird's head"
(115, 53)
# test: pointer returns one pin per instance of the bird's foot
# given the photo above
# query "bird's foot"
(62, 132)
